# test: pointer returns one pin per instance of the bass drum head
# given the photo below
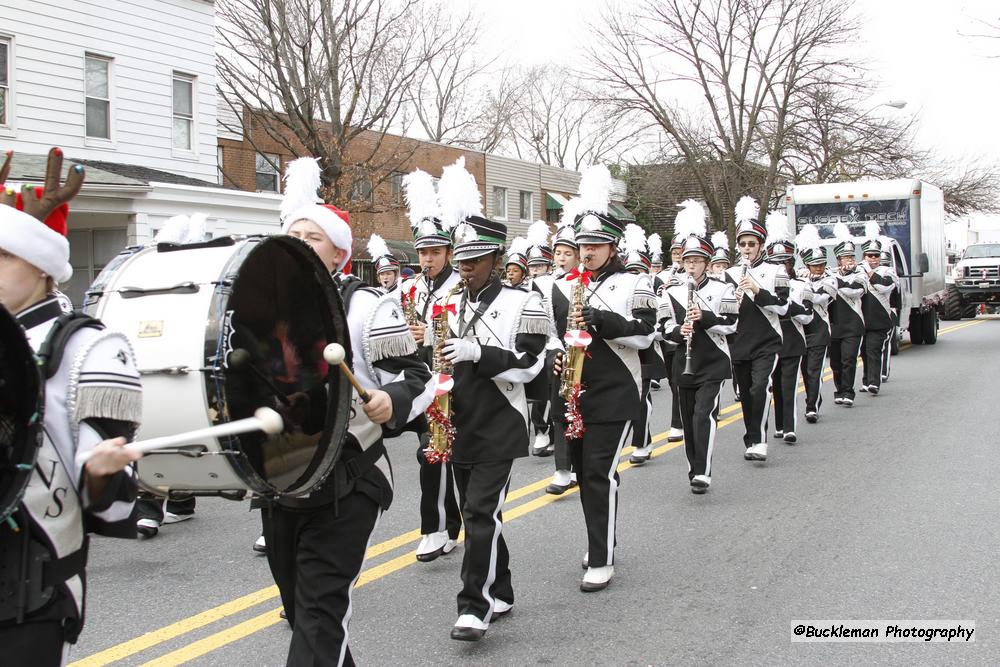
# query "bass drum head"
(21, 403)
(283, 309)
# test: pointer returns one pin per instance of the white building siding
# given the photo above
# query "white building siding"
(147, 42)
(515, 176)
(557, 179)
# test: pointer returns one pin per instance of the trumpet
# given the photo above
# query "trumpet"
(688, 369)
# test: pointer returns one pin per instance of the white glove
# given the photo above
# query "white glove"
(457, 350)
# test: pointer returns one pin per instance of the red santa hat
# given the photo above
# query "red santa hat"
(302, 180)
(41, 244)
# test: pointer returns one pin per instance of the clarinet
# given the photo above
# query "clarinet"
(688, 370)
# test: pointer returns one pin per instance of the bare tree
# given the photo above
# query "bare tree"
(835, 134)
(969, 187)
(462, 98)
(327, 78)
(746, 60)
(558, 122)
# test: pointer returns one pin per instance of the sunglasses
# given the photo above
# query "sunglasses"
(747, 244)
(875, 255)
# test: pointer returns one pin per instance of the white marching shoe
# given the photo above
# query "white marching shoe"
(541, 443)
(756, 452)
(641, 455)
(260, 546)
(597, 578)
(433, 545)
(586, 560)
(468, 628)
(700, 484)
(675, 435)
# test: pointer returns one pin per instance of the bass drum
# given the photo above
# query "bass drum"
(21, 404)
(186, 308)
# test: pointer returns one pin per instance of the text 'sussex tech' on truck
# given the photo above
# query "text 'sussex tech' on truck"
(911, 213)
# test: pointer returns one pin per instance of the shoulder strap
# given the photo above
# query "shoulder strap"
(347, 291)
(62, 330)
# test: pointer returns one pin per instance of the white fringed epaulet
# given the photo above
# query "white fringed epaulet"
(387, 334)
(104, 382)
(533, 318)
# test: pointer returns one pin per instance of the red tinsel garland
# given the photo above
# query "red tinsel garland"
(435, 416)
(574, 420)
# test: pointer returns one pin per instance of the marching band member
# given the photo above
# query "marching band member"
(655, 244)
(567, 257)
(669, 277)
(440, 518)
(316, 544)
(698, 315)
(895, 302)
(781, 251)
(637, 260)
(762, 290)
(720, 259)
(543, 282)
(385, 264)
(497, 346)
(823, 289)
(93, 403)
(877, 310)
(847, 324)
(516, 268)
(619, 314)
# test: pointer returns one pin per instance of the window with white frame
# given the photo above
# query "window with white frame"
(183, 139)
(268, 168)
(499, 202)
(97, 76)
(5, 78)
(525, 212)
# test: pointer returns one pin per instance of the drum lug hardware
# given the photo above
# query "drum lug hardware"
(173, 370)
(179, 288)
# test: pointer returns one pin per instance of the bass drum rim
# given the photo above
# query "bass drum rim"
(338, 398)
(28, 428)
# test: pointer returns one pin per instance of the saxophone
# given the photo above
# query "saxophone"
(409, 299)
(442, 432)
(576, 349)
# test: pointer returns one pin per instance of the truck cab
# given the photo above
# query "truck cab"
(976, 280)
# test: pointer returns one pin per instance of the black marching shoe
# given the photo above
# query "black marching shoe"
(464, 634)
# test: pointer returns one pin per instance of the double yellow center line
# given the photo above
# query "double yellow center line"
(267, 619)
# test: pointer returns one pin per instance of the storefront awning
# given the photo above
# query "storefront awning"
(555, 201)
(401, 250)
(621, 212)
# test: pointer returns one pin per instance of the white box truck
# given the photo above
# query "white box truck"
(911, 213)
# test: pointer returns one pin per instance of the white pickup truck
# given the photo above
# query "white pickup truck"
(975, 281)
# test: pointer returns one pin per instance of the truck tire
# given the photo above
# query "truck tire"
(970, 311)
(953, 309)
(894, 341)
(916, 329)
(930, 322)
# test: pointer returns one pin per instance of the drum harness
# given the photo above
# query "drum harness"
(28, 575)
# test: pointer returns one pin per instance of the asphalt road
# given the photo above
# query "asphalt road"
(887, 510)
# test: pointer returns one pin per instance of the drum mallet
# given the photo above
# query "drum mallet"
(334, 355)
(264, 419)
(239, 359)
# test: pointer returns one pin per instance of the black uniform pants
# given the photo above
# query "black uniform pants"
(482, 489)
(700, 414)
(753, 380)
(33, 644)
(844, 364)
(438, 507)
(874, 360)
(595, 460)
(153, 507)
(783, 381)
(812, 376)
(675, 407)
(640, 434)
(540, 419)
(561, 447)
(315, 558)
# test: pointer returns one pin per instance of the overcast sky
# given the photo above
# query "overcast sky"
(914, 46)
